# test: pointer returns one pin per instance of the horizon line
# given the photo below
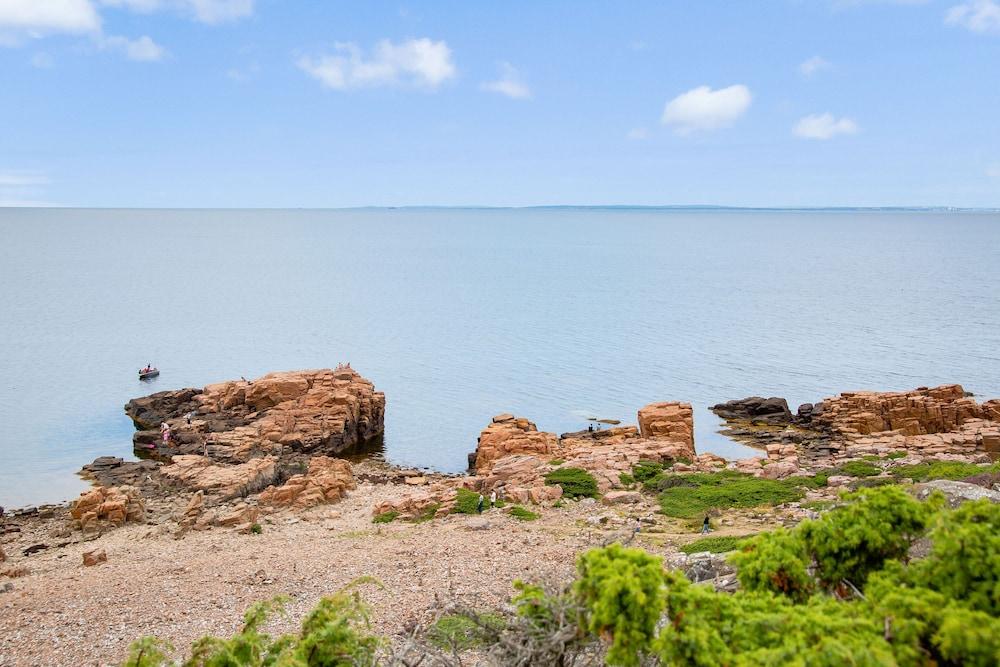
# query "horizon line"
(654, 207)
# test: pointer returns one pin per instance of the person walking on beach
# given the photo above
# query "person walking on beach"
(705, 527)
(479, 504)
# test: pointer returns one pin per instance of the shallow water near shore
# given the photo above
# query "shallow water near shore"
(460, 314)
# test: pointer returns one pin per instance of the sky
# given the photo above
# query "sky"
(307, 103)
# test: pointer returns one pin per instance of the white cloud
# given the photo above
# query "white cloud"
(637, 134)
(37, 18)
(705, 109)
(976, 15)
(206, 11)
(20, 179)
(22, 187)
(813, 65)
(143, 49)
(823, 126)
(420, 62)
(510, 83)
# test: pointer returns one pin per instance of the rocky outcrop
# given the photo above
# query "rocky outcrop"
(326, 481)
(326, 411)
(670, 421)
(918, 412)
(107, 506)
(225, 481)
(956, 492)
(768, 410)
(508, 435)
(94, 557)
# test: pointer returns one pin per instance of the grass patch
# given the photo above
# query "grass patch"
(559, 504)
(522, 514)
(716, 545)
(870, 457)
(701, 492)
(646, 470)
(818, 505)
(428, 513)
(575, 482)
(557, 462)
(256, 529)
(627, 480)
(858, 469)
(871, 482)
(896, 455)
(462, 633)
(922, 472)
(467, 502)
(386, 517)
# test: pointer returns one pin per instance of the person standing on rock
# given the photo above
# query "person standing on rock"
(479, 504)
(493, 498)
(165, 433)
(705, 527)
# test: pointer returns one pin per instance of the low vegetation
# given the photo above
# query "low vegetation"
(838, 590)
(575, 482)
(690, 495)
(922, 472)
(386, 517)
(716, 544)
(523, 514)
(467, 502)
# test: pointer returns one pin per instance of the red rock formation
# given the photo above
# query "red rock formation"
(326, 481)
(226, 481)
(918, 412)
(670, 420)
(109, 505)
(507, 435)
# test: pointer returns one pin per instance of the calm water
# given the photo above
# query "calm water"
(461, 314)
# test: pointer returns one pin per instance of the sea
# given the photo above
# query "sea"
(458, 314)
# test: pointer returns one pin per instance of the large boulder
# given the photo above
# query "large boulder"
(326, 481)
(669, 420)
(772, 410)
(508, 435)
(107, 506)
(956, 492)
(326, 411)
(225, 481)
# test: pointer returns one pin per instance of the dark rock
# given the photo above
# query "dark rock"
(150, 411)
(113, 471)
(772, 410)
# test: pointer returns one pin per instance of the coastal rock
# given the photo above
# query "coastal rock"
(95, 557)
(508, 435)
(918, 412)
(956, 492)
(115, 471)
(326, 481)
(437, 500)
(621, 497)
(226, 481)
(3, 556)
(107, 506)
(325, 411)
(772, 410)
(670, 420)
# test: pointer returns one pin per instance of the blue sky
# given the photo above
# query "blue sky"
(289, 103)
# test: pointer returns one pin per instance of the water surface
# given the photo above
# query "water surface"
(460, 314)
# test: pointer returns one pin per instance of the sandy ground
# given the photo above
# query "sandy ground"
(62, 613)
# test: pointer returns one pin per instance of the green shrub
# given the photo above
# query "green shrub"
(557, 462)
(148, 652)
(626, 480)
(858, 469)
(386, 517)
(256, 529)
(722, 490)
(622, 592)
(776, 562)
(716, 544)
(646, 470)
(872, 483)
(462, 632)
(853, 540)
(575, 482)
(467, 502)
(428, 513)
(922, 472)
(522, 514)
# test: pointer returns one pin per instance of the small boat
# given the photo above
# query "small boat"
(151, 373)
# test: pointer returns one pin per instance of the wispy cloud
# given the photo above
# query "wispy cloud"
(143, 49)
(637, 134)
(823, 126)
(510, 83)
(813, 65)
(23, 19)
(993, 171)
(705, 109)
(20, 187)
(419, 62)
(204, 11)
(976, 15)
